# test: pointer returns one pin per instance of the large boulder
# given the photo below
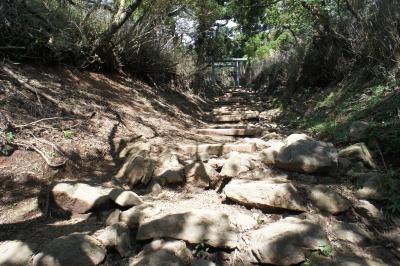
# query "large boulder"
(15, 253)
(304, 155)
(116, 236)
(264, 194)
(325, 199)
(197, 226)
(125, 198)
(79, 197)
(285, 242)
(358, 153)
(73, 249)
(236, 164)
(160, 252)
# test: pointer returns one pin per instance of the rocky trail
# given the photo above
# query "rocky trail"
(253, 194)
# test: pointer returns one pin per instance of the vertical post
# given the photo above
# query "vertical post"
(213, 78)
(237, 79)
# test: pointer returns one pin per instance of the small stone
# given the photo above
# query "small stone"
(15, 253)
(125, 198)
(116, 236)
(269, 154)
(73, 249)
(325, 199)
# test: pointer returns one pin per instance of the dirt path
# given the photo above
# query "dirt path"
(235, 191)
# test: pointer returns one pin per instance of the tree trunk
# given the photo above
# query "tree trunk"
(119, 20)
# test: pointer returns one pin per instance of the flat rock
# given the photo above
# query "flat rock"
(125, 198)
(169, 170)
(308, 156)
(237, 163)
(236, 132)
(350, 232)
(217, 149)
(233, 118)
(160, 252)
(116, 236)
(73, 249)
(285, 242)
(325, 199)
(264, 194)
(197, 226)
(79, 197)
(137, 214)
(15, 253)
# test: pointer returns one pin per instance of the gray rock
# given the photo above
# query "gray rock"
(264, 194)
(137, 214)
(15, 253)
(285, 242)
(358, 152)
(370, 189)
(358, 130)
(79, 197)
(116, 236)
(160, 252)
(269, 154)
(307, 156)
(368, 210)
(197, 226)
(134, 149)
(236, 164)
(113, 217)
(73, 249)
(200, 174)
(350, 232)
(169, 169)
(125, 198)
(136, 169)
(325, 199)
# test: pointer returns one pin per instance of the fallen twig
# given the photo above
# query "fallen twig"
(32, 147)
(41, 120)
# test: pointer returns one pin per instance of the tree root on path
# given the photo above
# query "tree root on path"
(30, 146)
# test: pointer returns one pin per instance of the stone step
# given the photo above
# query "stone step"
(234, 112)
(217, 149)
(232, 118)
(237, 109)
(241, 103)
(240, 94)
(236, 99)
(230, 125)
(235, 132)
